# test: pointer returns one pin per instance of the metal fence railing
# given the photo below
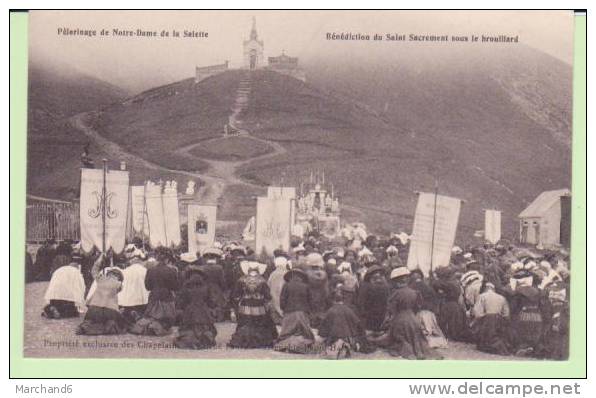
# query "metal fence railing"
(52, 220)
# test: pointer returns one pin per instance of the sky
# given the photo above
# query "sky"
(139, 63)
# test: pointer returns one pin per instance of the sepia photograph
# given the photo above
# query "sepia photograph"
(330, 185)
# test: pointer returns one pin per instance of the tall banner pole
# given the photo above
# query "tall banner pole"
(432, 241)
(104, 194)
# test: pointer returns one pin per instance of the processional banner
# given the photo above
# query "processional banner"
(492, 226)
(273, 226)
(140, 223)
(155, 215)
(171, 214)
(103, 213)
(284, 193)
(201, 227)
(433, 233)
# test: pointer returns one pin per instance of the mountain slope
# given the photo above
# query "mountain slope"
(53, 146)
(491, 127)
(59, 92)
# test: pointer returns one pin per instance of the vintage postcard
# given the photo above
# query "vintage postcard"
(299, 185)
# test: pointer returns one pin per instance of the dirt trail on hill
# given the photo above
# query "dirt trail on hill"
(209, 192)
(223, 172)
(219, 174)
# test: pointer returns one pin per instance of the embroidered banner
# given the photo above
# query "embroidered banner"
(284, 193)
(95, 203)
(201, 227)
(273, 225)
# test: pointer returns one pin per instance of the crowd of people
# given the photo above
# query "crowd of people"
(327, 297)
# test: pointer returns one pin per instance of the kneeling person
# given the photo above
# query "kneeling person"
(66, 292)
(102, 315)
(295, 301)
(160, 314)
(197, 304)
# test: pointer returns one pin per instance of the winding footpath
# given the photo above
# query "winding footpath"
(220, 173)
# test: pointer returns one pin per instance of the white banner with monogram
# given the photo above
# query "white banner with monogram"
(94, 203)
(273, 226)
(284, 193)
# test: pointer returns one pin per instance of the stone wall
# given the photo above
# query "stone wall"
(203, 72)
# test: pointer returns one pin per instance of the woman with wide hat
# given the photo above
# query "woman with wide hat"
(214, 273)
(195, 300)
(372, 298)
(405, 337)
(161, 281)
(342, 328)
(296, 303)
(526, 302)
(451, 314)
(318, 286)
(251, 298)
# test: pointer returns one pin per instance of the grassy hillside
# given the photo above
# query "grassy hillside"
(56, 93)
(151, 125)
(156, 122)
(53, 146)
(231, 149)
(491, 127)
(493, 130)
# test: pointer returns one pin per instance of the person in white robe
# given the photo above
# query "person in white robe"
(65, 295)
(133, 297)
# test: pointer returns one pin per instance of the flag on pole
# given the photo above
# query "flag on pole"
(492, 226)
(201, 227)
(97, 205)
(433, 234)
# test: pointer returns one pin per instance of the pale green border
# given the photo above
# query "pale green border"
(71, 368)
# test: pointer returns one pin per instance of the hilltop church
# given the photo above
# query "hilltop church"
(253, 49)
(253, 59)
